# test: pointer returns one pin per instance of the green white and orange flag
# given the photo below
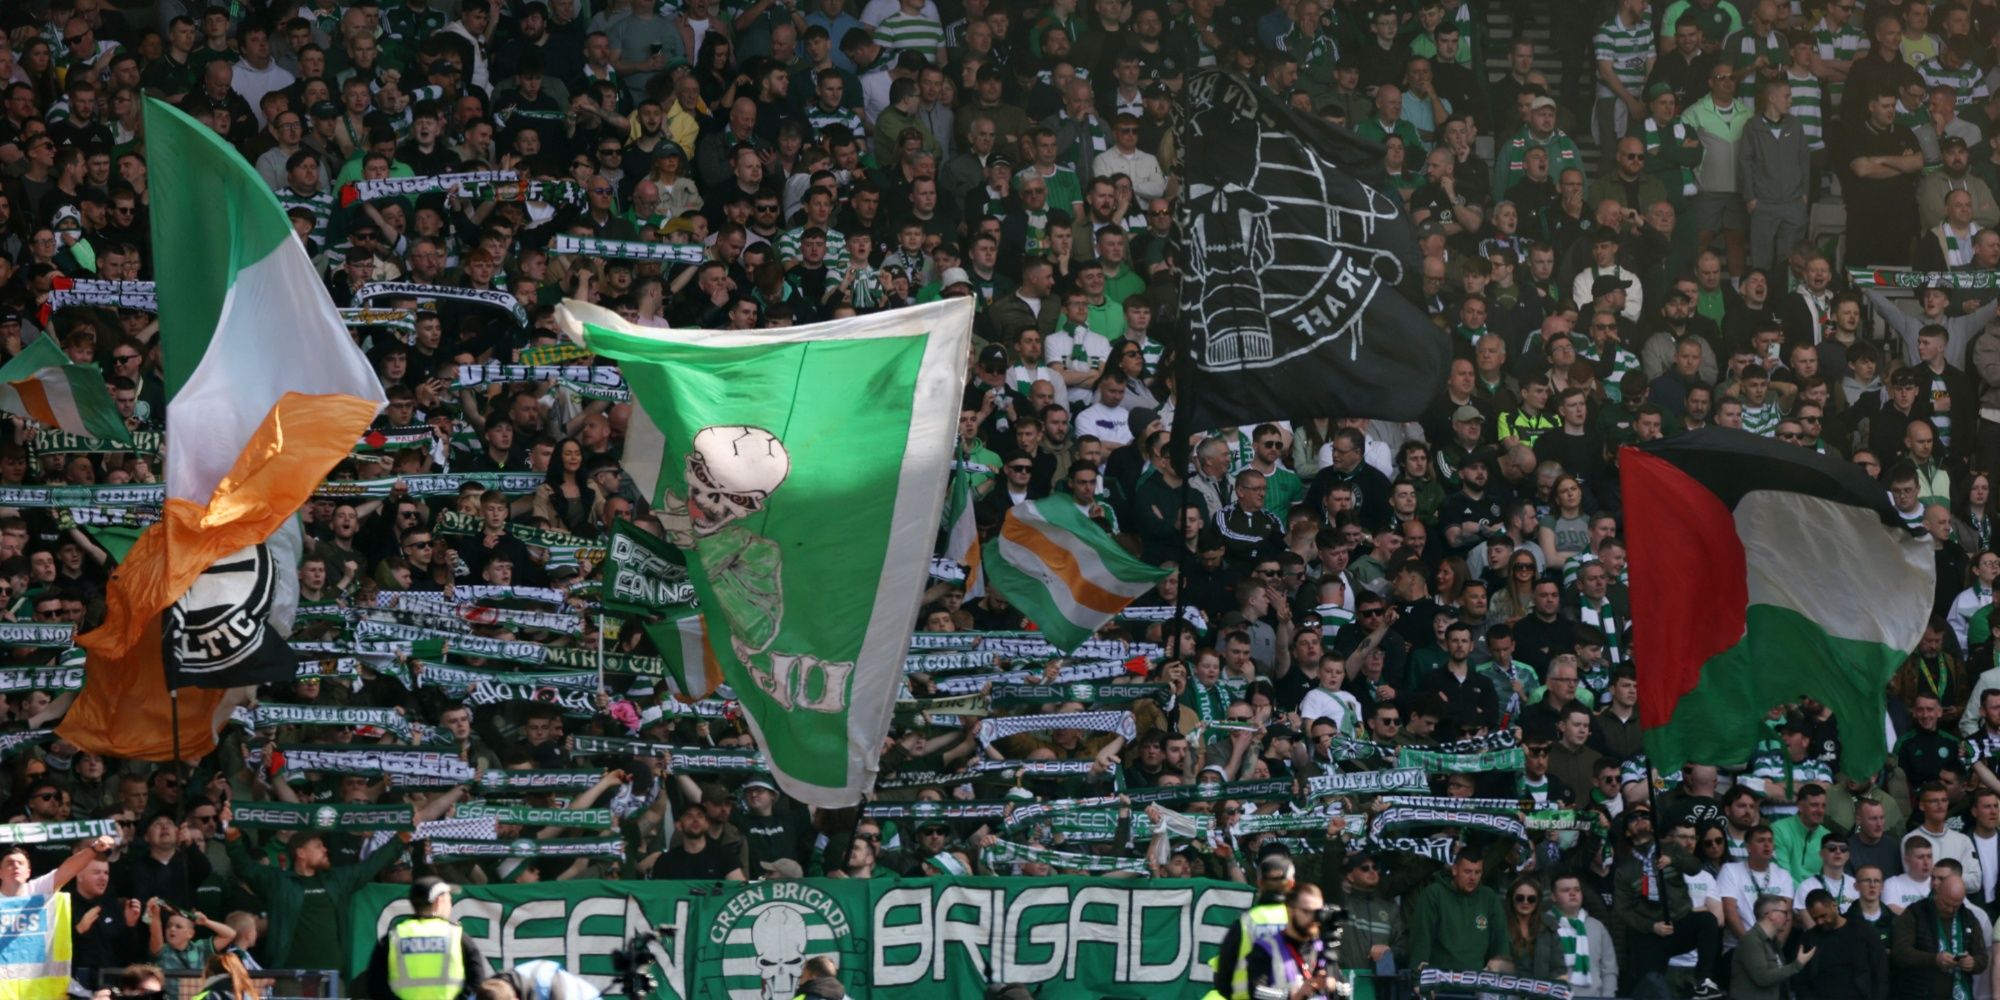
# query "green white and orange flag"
(44, 385)
(266, 392)
(1063, 571)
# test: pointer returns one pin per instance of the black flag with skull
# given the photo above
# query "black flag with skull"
(1293, 248)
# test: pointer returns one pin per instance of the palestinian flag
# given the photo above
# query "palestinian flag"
(266, 393)
(1063, 571)
(1761, 572)
(44, 385)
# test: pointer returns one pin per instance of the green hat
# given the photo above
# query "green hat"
(1653, 92)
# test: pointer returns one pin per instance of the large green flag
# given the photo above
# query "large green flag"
(803, 471)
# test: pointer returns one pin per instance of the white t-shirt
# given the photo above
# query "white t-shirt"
(1740, 885)
(1110, 424)
(40, 885)
(1081, 349)
(1845, 892)
(1701, 885)
(1903, 890)
(1343, 708)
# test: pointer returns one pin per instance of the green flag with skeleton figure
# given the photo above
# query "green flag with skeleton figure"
(803, 471)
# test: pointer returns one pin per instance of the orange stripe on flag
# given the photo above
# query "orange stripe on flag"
(1063, 564)
(35, 399)
(710, 666)
(123, 710)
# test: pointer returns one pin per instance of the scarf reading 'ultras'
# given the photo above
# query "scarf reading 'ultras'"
(591, 246)
(139, 295)
(591, 381)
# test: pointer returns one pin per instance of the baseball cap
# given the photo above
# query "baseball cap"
(1951, 142)
(713, 794)
(954, 276)
(1467, 412)
(1906, 376)
(1541, 102)
(1605, 284)
(993, 356)
(326, 109)
(759, 783)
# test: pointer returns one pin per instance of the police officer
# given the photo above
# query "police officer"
(1286, 965)
(1266, 917)
(425, 956)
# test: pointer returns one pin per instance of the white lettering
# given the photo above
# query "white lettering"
(1111, 932)
(910, 928)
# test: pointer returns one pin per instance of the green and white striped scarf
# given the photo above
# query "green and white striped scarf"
(1614, 638)
(1657, 137)
(1575, 937)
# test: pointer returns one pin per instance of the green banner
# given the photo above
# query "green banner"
(909, 939)
(643, 575)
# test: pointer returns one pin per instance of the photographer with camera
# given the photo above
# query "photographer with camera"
(1292, 965)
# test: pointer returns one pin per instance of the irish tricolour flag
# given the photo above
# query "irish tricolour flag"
(1063, 571)
(1761, 572)
(44, 385)
(266, 392)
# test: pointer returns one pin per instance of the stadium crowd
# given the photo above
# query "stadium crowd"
(1697, 225)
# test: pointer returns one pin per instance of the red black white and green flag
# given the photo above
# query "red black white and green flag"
(1760, 572)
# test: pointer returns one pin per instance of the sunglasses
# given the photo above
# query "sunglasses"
(425, 544)
(1020, 468)
(1522, 897)
(75, 39)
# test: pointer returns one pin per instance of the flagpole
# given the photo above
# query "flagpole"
(1178, 455)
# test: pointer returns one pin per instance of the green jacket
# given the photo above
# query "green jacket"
(284, 895)
(1456, 930)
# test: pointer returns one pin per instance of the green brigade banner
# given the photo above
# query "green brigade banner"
(904, 939)
(40, 635)
(803, 472)
(642, 574)
(594, 819)
(57, 833)
(16, 679)
(61, 443)
(321, 816)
